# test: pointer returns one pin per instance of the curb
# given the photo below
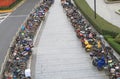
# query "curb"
(34, 41)
(6, 11)
(117, 12)
(14, 8)
(18, 5)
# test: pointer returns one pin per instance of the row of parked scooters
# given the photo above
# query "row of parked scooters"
(101, 55)
(21, 50)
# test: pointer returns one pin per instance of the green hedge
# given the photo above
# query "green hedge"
(101, 25)
(11, 6)
(113, 43)
(117, 38)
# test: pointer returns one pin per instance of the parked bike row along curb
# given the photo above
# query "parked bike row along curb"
(102, 55)
(114, 52)
(46, 6)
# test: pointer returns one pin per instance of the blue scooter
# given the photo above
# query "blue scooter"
(99, 63)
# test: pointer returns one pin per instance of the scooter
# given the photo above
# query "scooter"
(99, 63)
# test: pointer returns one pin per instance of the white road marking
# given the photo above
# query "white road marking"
(0, 21)
(19, 16)
(3, 16)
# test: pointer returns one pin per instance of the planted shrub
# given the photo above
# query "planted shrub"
(114, 44)
(101, 25)
(117, 38)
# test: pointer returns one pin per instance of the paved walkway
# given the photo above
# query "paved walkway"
(59, 54)
(107, 11)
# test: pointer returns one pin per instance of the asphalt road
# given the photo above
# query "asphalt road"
(9, 27)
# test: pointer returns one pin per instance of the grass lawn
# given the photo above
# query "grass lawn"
(113, 43)
(101, 25)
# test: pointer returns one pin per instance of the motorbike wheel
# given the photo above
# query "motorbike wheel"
(83, 45)
(106, 71)
(94, 64)
(99, 69)
(87, 50)
(112, 77)
(78, 36)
